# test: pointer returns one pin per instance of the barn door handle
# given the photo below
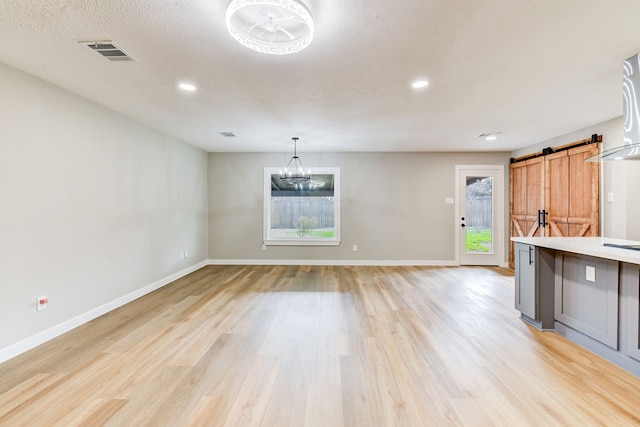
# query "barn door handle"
(542, 218)
(530, 255)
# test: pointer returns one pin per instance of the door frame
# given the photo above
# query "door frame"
(499, 223)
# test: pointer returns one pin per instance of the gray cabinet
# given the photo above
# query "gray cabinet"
(526, 294)
(534, 282)
(586, 296)
(630, 282)
(590, 294)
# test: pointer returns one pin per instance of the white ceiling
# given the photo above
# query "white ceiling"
(531, 69)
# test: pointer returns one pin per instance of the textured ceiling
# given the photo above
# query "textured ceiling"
(531, 69)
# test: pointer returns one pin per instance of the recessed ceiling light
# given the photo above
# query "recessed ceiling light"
(489, 136)
(187, 87)
(419, 84)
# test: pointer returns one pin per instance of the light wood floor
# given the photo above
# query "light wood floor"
(318, 346)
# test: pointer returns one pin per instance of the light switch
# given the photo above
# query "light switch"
(609, 197)
(591, 274)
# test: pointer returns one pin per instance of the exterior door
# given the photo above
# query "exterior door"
(479, 214)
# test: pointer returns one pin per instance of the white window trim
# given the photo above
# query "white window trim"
(267, 240)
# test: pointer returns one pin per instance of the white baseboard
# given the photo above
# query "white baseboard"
(381, 263)
(57, 330)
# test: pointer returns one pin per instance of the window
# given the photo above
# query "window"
(302, 214)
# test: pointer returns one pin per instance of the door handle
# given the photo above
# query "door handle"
(530, 255)
(462, 225)
(542, 218)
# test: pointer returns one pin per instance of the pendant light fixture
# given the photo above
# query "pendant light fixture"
(295, 172)
(276, 27)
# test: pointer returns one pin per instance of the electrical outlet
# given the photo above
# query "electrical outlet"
(591, 274)
(41, 303)
(355, 248)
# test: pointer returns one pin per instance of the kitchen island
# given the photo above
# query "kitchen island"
(585, 289)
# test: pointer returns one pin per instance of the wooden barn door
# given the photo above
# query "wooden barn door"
(556, 193)
(572, 193)
(527, 199)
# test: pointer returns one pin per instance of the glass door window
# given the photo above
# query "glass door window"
(479, 215)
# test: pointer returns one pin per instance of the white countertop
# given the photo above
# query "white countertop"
(592, 246)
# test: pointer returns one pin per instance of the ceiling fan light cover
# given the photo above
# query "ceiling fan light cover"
(276, 27)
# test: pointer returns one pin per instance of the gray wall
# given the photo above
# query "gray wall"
(93, 206)
(392, 205)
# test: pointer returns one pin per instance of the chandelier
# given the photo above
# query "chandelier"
(276, 27)
(294, 172)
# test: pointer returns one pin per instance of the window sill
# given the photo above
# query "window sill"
(301, 242)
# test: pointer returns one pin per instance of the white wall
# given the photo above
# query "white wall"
(618, 219)
(93, 207)
(392, 205)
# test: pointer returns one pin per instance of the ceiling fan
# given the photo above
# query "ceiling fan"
(270, 26)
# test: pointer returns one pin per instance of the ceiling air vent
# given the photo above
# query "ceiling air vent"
(227, 134)
(108, 50)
